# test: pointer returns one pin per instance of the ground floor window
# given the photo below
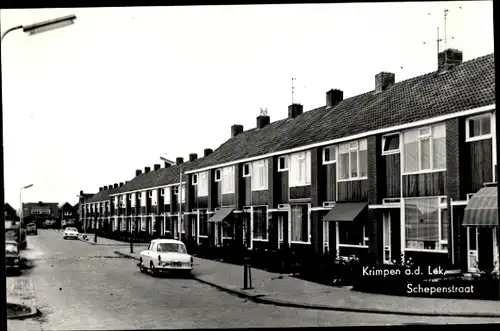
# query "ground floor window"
(203, 221)
(326, 231)
(299, 220)
(192, 221)
(227, 227)
(352, 234)
(259, 219)
(143, 224)
(426, 224)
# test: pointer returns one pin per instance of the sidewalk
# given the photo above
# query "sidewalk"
(103, 241)
(283, 290)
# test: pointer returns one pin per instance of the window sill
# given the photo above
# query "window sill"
(329, 162)
(227, 193)
(299, 185)
(477, 138)
(300, 242)
(423, 172)
(392, 152)
(258, 239)
(355, 246)
(426, 250)
(200, 236)
(259, 189)
(351, 179)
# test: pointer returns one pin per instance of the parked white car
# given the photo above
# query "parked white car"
(70, 232)
(165, 255)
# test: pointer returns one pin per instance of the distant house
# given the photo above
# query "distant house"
(68, 215)
(10, 213)
(41, 212)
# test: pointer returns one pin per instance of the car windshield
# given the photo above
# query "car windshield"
(11, 248)
(171, 248)
(72, 229)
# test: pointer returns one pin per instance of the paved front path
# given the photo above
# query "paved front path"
(289, 291)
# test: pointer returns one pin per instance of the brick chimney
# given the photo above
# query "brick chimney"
(193, 156)
(121, 184)
(236, 130)
(147, 169)
(105, 188)
(449, 59)
(383, 81)
(167, 164)
(333, 97)
(207, 152)
(100, 189)
(179, 160)
(157, 167)
(81, 192)
(295, 110)
(110, 186)
(263, 120)
(138, 172)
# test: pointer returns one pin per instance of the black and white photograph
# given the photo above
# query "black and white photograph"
(250, 166)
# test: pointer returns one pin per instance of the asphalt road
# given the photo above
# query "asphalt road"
(81, 286)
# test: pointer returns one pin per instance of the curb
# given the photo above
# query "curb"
(98, 244)
(259, 298)
(33, 312)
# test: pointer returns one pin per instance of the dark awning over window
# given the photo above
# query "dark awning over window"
(482, 208)
(221, 214)
(347, 211)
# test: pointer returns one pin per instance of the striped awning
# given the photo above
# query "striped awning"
(221, 214)
(482, 208)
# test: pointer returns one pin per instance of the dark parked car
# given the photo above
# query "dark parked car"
(31, 229)
(12, 257)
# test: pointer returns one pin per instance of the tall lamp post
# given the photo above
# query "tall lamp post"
(179, 227)
(21, 202)
(43, 26)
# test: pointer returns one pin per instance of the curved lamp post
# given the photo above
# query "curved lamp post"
(43, 26)
(21, 202)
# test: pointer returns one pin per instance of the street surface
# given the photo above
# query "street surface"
(81, 286)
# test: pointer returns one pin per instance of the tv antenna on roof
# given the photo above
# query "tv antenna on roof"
(293, 88)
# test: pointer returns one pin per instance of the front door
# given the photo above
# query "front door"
(472, 249)
(386, 227)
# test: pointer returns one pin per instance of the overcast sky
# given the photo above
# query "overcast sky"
(87, 105)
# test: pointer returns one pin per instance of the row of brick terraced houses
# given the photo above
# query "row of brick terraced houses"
(408, 168)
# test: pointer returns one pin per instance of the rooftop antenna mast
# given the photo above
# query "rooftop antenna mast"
(293, 88)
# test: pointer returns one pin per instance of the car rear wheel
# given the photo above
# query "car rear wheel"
(153, 270)
(141, 267)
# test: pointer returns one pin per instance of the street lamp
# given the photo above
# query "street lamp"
(179, 228)
(21, 202)
(43, 26)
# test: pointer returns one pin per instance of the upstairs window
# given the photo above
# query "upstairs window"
(202, 184)
(299, 172)
(353, 160)
(283, 163)
(218, 175)
(246, 170)
(194, 179)
(228, 180)
(329, 154)
(260, 175)
(162, 192)
(390, 144)
(425, 149)
(478, 127)
(150, 194)
(166, 200)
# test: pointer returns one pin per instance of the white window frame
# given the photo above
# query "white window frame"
(286, 159)
(260, 175)
(326, 235)
(267, 223)
(468, 138)
(129, 197)
(391, 151)
(442, 204)
(332, 153)
(202, 184)
(354, 146)
(249, 174)
(166, 192)
(228, 180)
(194, 179)
(309, 230)
(219, 171)
(494, 144)
(150, 194)
(421, 136)
(294, 169)
(162, 192)
(365, 238)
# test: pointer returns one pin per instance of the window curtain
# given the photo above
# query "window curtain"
(300, 231)
(260, 222)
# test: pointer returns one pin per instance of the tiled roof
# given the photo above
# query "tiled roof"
(467, 86)
(102, 195)
(160, 177)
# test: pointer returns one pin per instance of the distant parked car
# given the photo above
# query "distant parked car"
(166, 255)
(70, 232)
(31, 229)
(12, 257)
